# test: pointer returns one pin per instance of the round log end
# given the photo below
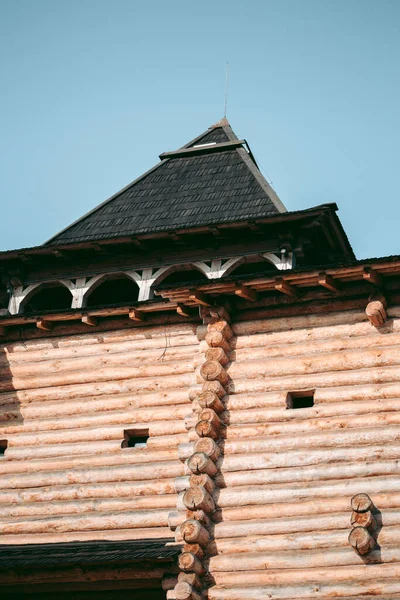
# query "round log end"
(208, 446)
(365, 519)
(361, 503)
(361, 540)
(206, 429)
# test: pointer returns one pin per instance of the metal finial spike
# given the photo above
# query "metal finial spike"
(226, 89)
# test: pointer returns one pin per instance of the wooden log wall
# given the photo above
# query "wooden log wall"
(258, 494)
(287, 476)
(64, 405)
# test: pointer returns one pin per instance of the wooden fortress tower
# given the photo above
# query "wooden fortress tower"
(199, 397)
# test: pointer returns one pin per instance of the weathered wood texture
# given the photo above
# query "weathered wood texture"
(64, 405)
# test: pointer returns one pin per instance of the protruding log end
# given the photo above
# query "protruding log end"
(361, 503)
(189, 563)
(208, 399)
(185, 591)
(364, 519)
(206, 429)
(199, 462)
(208, 414)
(376, 313)
(215, 339)
(217, 354)
(214, 386)
(223, 327)
(194, 533)
(361, 540)
(209, 447)
(197, 498)
(212, 370)
(203, 480)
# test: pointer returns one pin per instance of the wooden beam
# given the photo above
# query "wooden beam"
(247, 293)
(136, 315)
(184, 311)
(44, 325)
(328, 282)
(372, 276)
(286, 288)
(2, 331)
(200, 298)
(88, 320)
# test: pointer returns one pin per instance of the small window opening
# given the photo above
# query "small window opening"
(303, 399)
(3, 446)
(135, 438)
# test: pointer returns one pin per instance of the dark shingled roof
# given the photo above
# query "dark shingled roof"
(86, 552)
(207, 185)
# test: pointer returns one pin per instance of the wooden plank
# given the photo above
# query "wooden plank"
(136, 315)
(245, 292)
(328, 282)
(285, 287)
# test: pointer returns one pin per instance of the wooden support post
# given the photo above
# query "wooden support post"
(136, 315)
(2, 331)
(200, 298)
(88, 320)
(285, 287)
(44, 325)
(328, 282)
(246, 293)
(372, 276)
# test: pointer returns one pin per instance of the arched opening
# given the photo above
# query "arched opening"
(189, 276)
(47, 297)
(113, 290)
(259, 267)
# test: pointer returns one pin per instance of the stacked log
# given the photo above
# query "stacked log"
(65, 402)
(197, 499)
(363, 523)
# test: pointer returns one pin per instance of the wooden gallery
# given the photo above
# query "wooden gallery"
(199, 397)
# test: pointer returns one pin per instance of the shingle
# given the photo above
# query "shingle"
(85, 552)
(186, 191)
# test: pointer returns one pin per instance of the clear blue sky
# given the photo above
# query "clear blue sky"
(93, 90)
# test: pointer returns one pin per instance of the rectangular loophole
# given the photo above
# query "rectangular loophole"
(135, 438)
(3, 446)
(303, 399)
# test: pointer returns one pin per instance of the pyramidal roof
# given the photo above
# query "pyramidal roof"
(212, 179)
